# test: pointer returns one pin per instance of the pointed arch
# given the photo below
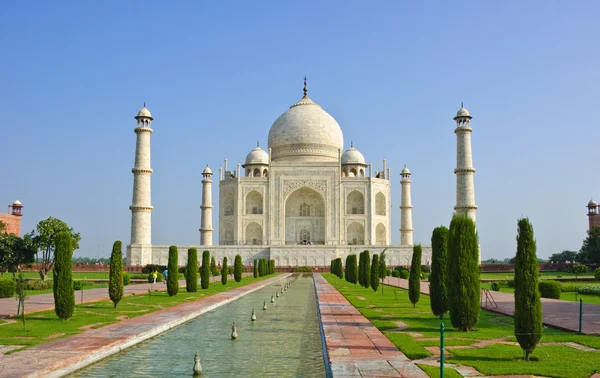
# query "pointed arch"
(228, 234)
(380, 205)
(355, 234)
(355, 203)
(380, 234)
(228, 204)
(304, 217)
(254, 234)
(254, 203)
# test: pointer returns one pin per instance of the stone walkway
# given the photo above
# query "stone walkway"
(61, 357)
(556, 313)
(354, 346)
(42, 302)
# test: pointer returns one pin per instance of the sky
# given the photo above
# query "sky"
(216, 75)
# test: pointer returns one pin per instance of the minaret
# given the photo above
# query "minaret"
(406, 229)
(141, 208)
(593, 218)
(465, 187)
(206, 229)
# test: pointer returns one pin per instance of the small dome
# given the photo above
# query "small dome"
(462, 112)
(353, 156)
(17, 202)
(207, 171)
(257, 156)
(592, 203)
(405, 171)
(144, 112)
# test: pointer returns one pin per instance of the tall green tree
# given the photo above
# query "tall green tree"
(382, 268)
(116, 289)
(205, 270)
(224, 271)
(173, 277)
(365, 270)
(44, 238)
(590, 250)
(361, 268)
(463, 273)
(64, 295)
(375, 273)
(255, 269)
(528, 306)
(438, 294)
(352, 268)
(191, 271)
(16, 252)
(238, 268)
(346, 267)
(213, 266)
(414, 280)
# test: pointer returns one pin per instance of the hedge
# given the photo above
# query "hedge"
(597, 273)
(302, 269)
(589, 289)
(549, 289)
(395, 273)
(404, 274)
(7, 287)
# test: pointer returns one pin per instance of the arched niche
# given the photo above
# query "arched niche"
(228, 204)
(380, 234)
(304, 217)
(254, 234)
(355, 234)
(380, 206)
(355, 203)
(254, 203)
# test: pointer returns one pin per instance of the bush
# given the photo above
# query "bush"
(352, 269)
(159, 277)
(597, 273)
(375, 272)
(395, 273)
(272, 266)
(414, 282)
(302, 269)
(255, 270)
(191, 271)
(589, 289)
(438, 277)
(182, 270)
(149, 268)
(261, 267)
(173, 276)
(549, 289)
(7, 287)
(79, 284)
(388, 272)
(115, 280)
(405, 274)
(510, 283)
(213, 267)
(205, 270)
(238, 268)
(463, 273)
(224, 271)
(64, 296)
(495, 286)
(425, 269)
(38, 285)
(126, 279)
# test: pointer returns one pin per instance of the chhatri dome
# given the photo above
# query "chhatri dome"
(144, 112)
(257, 156)
(352, 156)
(305, 132)
(462, 112)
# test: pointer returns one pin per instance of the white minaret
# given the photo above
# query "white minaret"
(206, 229)
(141, 208)
(406, 229)
(465, 187)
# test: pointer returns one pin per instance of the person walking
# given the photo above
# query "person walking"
(166, 274)
(154, 275)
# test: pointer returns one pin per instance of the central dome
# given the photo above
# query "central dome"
(305, 132)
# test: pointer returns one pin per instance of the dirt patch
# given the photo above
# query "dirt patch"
(89, 326)
(386, 316)
(55, 336)
(379, 310)
(361, 298)
(22, 338)
(122, 317)
(7, 321)
(371, 306)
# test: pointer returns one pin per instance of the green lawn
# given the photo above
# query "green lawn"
(510, 276)
(568, 296)
(434, 371)
(77, 292)
(384, 310)
(44, 326)
(76, 275)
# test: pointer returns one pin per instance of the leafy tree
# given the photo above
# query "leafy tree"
(64, 295)
(438, 278)
(115, 280)
(205, 270)
(173, 277)
(44, 238)
(191, 271)
(21, 294)
(255, 270)
(213, 266)
(590, 251)
(577, 270)
(414, 280)
(15, 252)
(528, 307)
(224, 271)
(375, 273)
(463, 273)
(237, 268)
(563, 257)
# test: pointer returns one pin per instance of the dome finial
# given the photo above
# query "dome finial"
(144, 104)
(461, 104)
(305, 88)
(351, 144)
(257, 144)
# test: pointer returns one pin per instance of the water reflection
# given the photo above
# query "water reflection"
(284, 341)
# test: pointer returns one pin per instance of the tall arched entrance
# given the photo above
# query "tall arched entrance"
(304, 217)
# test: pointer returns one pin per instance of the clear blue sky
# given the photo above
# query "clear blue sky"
(216, 75)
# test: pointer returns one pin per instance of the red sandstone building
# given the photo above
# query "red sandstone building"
(12, 220)
(593, 215)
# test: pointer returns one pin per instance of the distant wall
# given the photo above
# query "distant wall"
(12, 222)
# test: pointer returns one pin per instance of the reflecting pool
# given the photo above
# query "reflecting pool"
(284, 341)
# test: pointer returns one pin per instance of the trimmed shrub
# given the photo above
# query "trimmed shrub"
(388, 272)
(237, 268)
(255, 270)
(425, 276)
(414, 282)
(115, 280)
(37, 285)
(361, 268)
(7, 287)
(346, 268)
(302, 269)
(510, 283)
(495, 286)
(548, 289)
(405, 274)
(437, 279)
(126, 279)
(463, 273)
(272, 266)
(261, 267)
(64, 296)
(191, 271)
(375, 273)
(205, 270)
(173, 276)
(395, 273)
(366, 272)
(597, 273)
(80, 284)
(425, 269)
(352, 269)
(213, 267)
(589, 289)
(224, 271)
(159, 277)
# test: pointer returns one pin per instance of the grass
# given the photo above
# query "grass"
(434, 371)
(76, 275)
(44, 326)
(510, 275)
(568, 296)
(50, 291)
(384, 310)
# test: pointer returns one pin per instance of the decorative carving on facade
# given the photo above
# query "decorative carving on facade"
(319, 185)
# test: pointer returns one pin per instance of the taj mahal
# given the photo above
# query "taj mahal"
(301, 202)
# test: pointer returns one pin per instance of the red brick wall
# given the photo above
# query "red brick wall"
(12, 223)
(594, 221)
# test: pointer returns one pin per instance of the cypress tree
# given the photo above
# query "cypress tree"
(375, 273)
(382, 268)
(437, 280)
(528, 307)
(64, 295)
(115, 281)
(173, 278)
(237, 268)
(340, 268)
(204, 270)
(255, 271)
(361, 268)
(414, 280)
(353, 269)
(367, 270)
(191, 271)
(224, 271)
(463, 273)
(213, 266)
(346, 268)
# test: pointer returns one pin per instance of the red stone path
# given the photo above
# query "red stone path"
(354, 346)
(64, 356)
(556, 313)
(42, 302)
